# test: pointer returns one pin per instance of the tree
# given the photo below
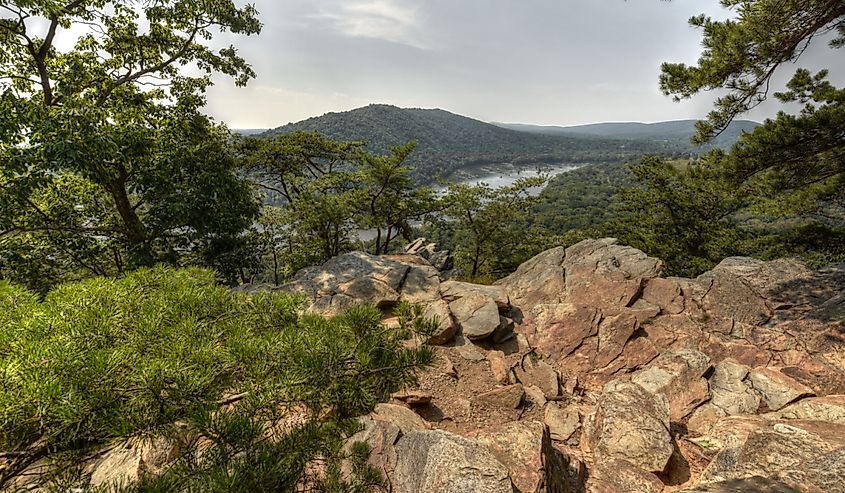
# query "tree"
(311, 179)
(246, 390)
(108, 163)
(793, 166)
(486, 224)
(742, 55)
(387, 200)
(681, 213)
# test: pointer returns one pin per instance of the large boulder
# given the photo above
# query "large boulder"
(777, 389)
(539, 280)
(679, 375)
(525, 448)
(446, 326)
(348, 280)
(632, 424)
(441, 462)
(809, 454)
(477, 315)
(604, 274)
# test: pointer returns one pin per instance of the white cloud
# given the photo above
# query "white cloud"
(374, 19)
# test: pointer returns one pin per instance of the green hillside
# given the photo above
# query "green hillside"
(450, 142)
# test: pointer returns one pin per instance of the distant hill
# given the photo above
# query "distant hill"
(453, 146)
(247, 131)
(679, 131)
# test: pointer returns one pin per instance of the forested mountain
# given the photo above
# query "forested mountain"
(678, 132)
(449, 142)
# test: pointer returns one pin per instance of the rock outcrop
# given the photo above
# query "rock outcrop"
(586, 370)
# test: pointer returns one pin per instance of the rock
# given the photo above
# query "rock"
(730, 296)
(777, 389)
(350, 279)
(557, 330)
(562, 422)
(830, 409)
(780, 450)
(476, 315)
(540, 374)
(406, 419)
(131, 460)
(629, 423)
(441, 462)
(442, 260)
(413, 397)
(508, 397)
(730, 392)
(604, 274)
(455, 290)
(416, 247)
(825, 473)
(421, 285)
(536, 396)
(753, 484)
(499, 367)
(504, 332)
(614, 332)
(381, 436)
(665, 294)
(619, 476)
(120, 465)
(446, 326)
(524, 447)
(677, 374)
(539, 280)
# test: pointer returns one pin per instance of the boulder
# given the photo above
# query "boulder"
(508, 397)
(777, 389)
(753, 484)
(830, 409)
(381, 437)
(540, 374)
(421, 285)
(406, 419)
(446, 326)
(129, 461)
(679, 375)
(350, 279)
(619, 476)
(563, 422)
(476, 315)
(780, 450)
(629, 423)
(604, 274)
(525, 448)
(441, 462)
(539, 280)
(730, 395)
(455, 290)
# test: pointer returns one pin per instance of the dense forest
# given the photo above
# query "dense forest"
(127, 217)
(449, 145)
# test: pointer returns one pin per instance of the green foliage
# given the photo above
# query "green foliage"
(450, 145)
(108, 162)
(324, 191)
(681, 213)
(487, 228)
(169, 353)
(742, 54)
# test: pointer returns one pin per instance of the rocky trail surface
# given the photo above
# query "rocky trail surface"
(587, 371)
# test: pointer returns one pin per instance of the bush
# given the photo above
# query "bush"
(170, 353)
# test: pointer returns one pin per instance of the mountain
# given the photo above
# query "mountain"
(453, 146)
(679, 131)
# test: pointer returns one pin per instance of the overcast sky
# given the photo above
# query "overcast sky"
(556, 62)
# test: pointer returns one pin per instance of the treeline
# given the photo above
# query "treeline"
(449, 144)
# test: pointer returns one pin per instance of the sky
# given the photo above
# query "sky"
(549, 62)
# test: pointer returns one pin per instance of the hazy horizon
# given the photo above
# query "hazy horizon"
(493, 121)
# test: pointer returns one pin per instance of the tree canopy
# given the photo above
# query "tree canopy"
(108, 163)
